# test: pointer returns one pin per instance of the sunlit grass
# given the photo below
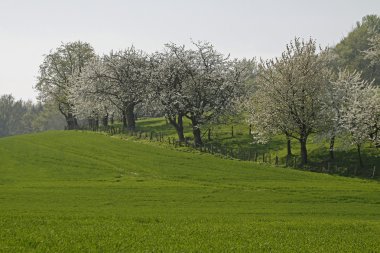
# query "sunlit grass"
(82, 191)
(318, 148)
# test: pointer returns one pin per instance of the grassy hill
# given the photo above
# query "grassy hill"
(88, 192)
(346, 157)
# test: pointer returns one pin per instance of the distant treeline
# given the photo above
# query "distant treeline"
(20, 117)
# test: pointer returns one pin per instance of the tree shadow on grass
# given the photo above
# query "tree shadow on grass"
(346, 161)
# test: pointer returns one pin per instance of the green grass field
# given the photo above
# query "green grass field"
(318, 148)
(66, 191)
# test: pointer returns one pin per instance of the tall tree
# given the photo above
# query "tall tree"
(87, 95)
(123, 77)
(212, 86)
(360, 112)
(169, 81)
(58, 72)
(292, 88)
(267, 119)
(332, 125)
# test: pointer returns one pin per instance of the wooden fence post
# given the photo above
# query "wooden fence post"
(373, 171)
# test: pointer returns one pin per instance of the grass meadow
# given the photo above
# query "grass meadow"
(346, 156)
(72, 191)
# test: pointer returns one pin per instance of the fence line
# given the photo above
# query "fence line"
(244, 154)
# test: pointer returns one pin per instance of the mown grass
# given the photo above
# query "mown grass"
(87, 192)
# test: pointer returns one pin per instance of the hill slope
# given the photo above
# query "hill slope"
(346, 157)
(74, 191)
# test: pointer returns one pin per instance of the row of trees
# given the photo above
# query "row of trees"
(19, 117)
(306, 90)
(198, 83)
(316, 91)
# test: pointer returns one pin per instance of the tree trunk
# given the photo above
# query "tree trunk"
(124, 120)
(196, 131)
(178, 125)
(303, 150)
(360, 156)
(288, 146)
(96, 123)
(131, 123)
(90, 123)
(71, 122)
(181, 136)
(332, 143)
(112, 119)
(76, 126)
(197, 136)
(105, 120)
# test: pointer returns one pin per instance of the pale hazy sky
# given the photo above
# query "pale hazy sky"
(30, 28)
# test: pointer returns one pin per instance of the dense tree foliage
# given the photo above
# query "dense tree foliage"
(360, 109)
(304, 92)
(118, 80)
(373, 53)
(86, 96)
(291, 92)
(58, 72)
(200, 84)
(19, 117)
(332, 92)
(351, 50)
(168, 83)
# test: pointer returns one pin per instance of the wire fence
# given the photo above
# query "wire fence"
(246, 154)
